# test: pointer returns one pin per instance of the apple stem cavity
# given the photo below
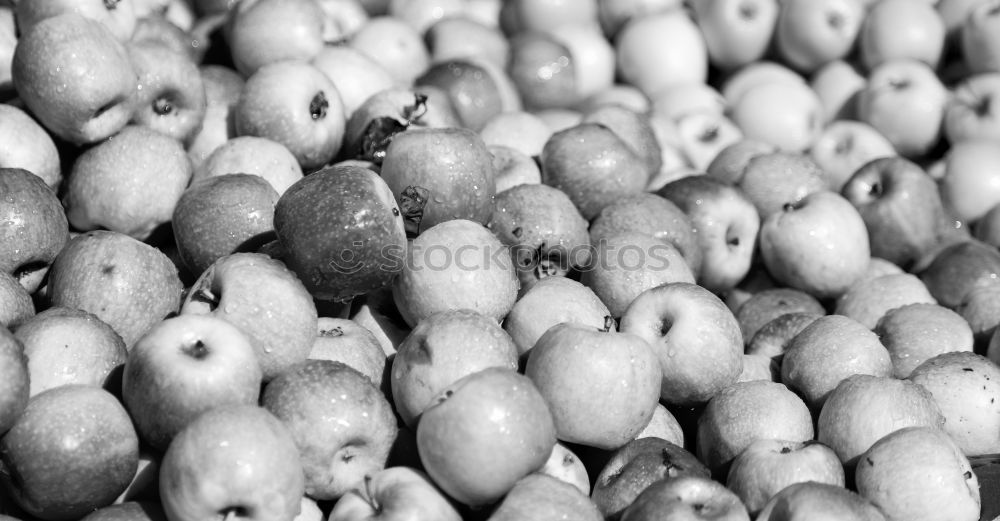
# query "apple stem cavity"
(198, 350)
(609, 322)
(318, 106)
(411, 203)
(231, 513)
(162, 106)
(111, 5)
(380, 131)
(748, 11)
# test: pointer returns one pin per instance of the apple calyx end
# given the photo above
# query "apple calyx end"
(318, 106)
(197, 350)
(111, 5)
(411, 203)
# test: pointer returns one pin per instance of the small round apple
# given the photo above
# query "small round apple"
(33, 227)
(687, 497)
(258, 156)
(767, 466)
(25, 144)
(918, 332)
(271, 31)
(395, 45)
(681, 54)
(551, 301)
(171, 95)
(736, 32)
(484, 433)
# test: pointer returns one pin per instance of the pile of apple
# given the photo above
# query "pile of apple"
(506, 260)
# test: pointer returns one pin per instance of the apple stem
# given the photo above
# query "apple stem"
(371, 497)
(609, 322)
(318, 106)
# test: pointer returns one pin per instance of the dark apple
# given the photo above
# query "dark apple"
(959, 269)
(476, 89)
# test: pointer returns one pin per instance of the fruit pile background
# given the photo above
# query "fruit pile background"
(499, 260)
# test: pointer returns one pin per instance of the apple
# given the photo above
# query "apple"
(917, 332)
(458, 264)
(263, 32)
(987, 228)
(731, 162)
(341, 423)
(638, 465)
(377, 313)
(264, 300)
(540, 497)
(772, 181)
(339, 255)
(221, 215)
(663, 425)
(813, 500)
(614, 14)
(725, 223)
(484, 433)
(901, 207)
(703, 134)
(513, 168)
(773, 338)
(635, 129)
(341, 19)
(25, 144)
(543, 15)
(257, 156)
(84, 432)
(810, 34)
(477, 89)
(881, 39)
(905, 101)
(568, 468)
(309, 119)
(8, 41)
(864, 408)
(972, 111)
(388, 112)
(755, 74)
(146, 481)
(183, 367)
(837, 84)
(786, 114)
(941, 485)
(770, 304)
(552, 301)
(686, 497)
(443, 348)
(68, 346)
(156, 30)
(680, 99)
(794, 243)
(464, 36)
(695, 336)
(236, 461)
(16, 388)
(953, 13)
(412, 166)
(53, 71)
(965, 387)
(394, 493)
(33, 227)
(128, 511)
(618, 95)
(682, 54)
(657, 216)
(979, 43)
(826, 352)
(845, 146)
(395, 45)
(960, 268)
(16, 306)
(118, 16)
(520, 130)
(223, 86)
(346, 341)
(970, 187)
(601, 386)
(747, 411)
(354, 74)
(593, 165)
(736, 33)
(171, 96)
(767, 466)
(128, 284)
(869, 300)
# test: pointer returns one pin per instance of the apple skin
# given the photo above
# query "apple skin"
(16, 388)
(736, 33)
(443, 348)
(683, 55)
(941, 486)
(881, 39)
(788, 115)
(128, 511)
(686, 497)
(69, 346)
(396, 493)
(972, 111)
(395, 45)
(815, 501)
(308, 119)
(726, 224)
(257, 156)
(466, 37)
(905, 101)
(634, 128)
(221, 215)
(637, 465)
(810, 34)
(344, 340)
(917, 332)
(34, 228)
(863, 408)
(26, 144)
(769, 304)
(593, 165)
(412, 169)
(552, 301)
(223, 86)
(83, 430)
(837, 84)
(119, 17)
(390, 111)
(845, 146)
(826, 352)
(794, 244)
(601, 386)
(183, 367)
(869, 300)
(767, 466)
(965, 387)
(356, 76)
(774, 337)
(477, 89)
(128, 284)
(339, 255)
(16, 305)
(265, 301)
(484, 433)
(236, 459)
(171, 95)
(270, 31)
(979, 43)
(54, 74)
(568, 468)
(340, 440)
(695, 336)
(970, 186)
(730, 163)
(771, 181)
(901, 207)
(513, 168)
(959, 269)
(540, 497)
